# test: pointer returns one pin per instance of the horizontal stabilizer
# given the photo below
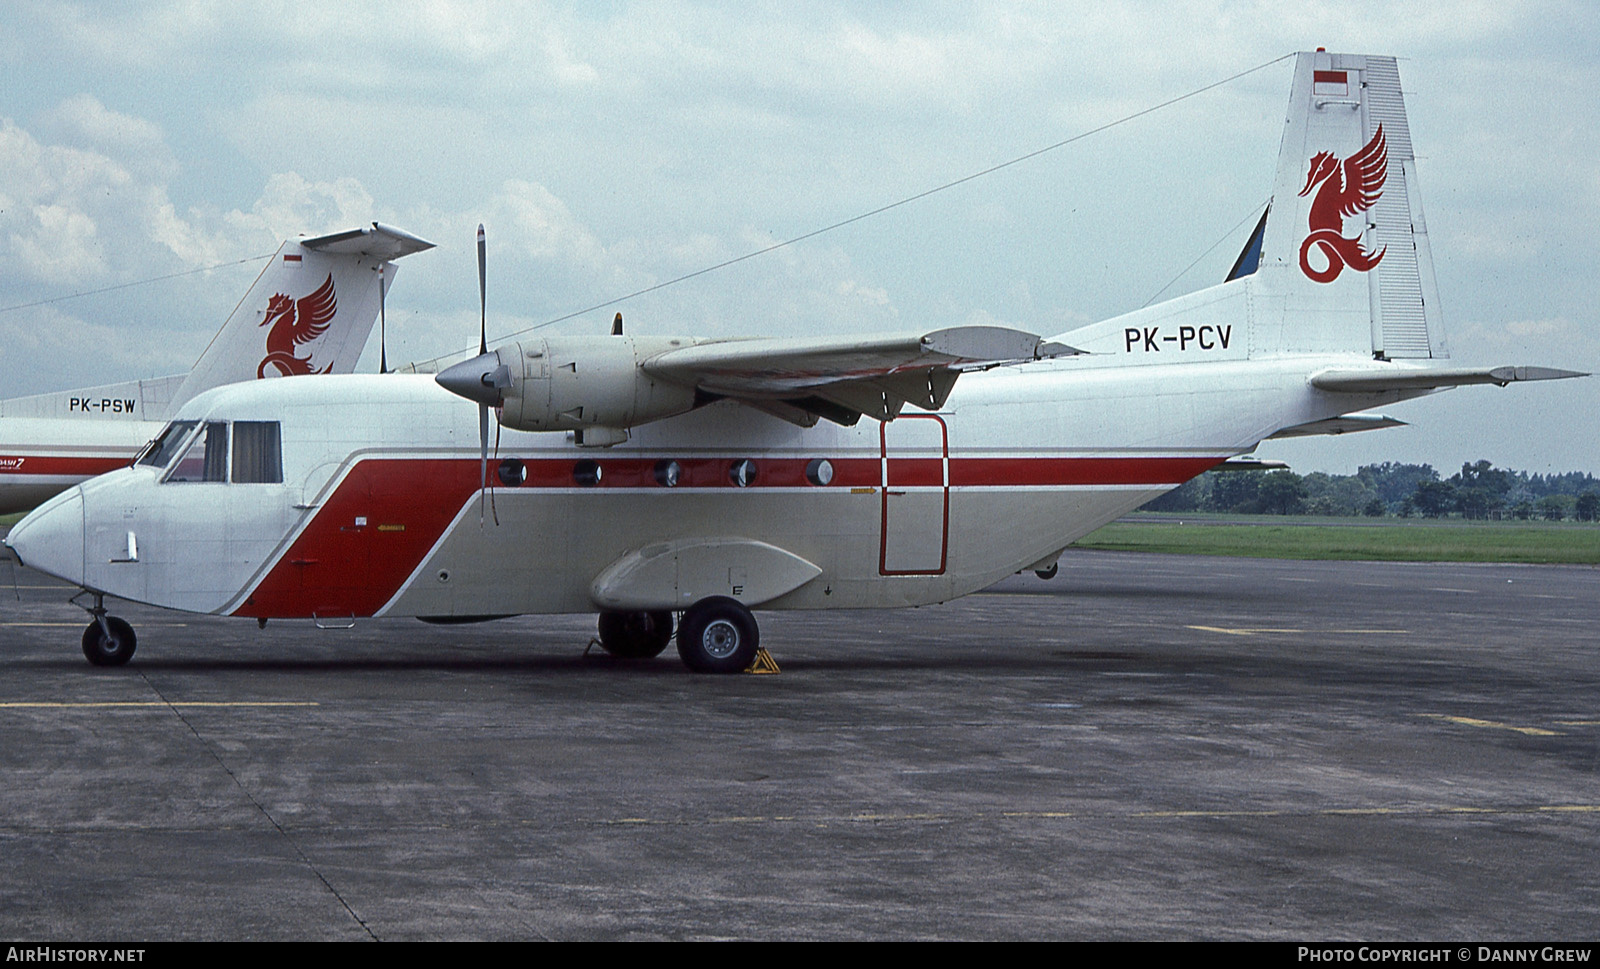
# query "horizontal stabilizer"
(1251, 464)
(379, 242)
(1344, 424)
(1407, 378)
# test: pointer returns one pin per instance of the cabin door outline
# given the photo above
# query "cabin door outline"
(914, 463)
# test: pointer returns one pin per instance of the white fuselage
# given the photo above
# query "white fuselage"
(378, 511)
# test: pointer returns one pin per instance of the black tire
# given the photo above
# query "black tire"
(112, 651)
(635, 635)
(718, 635)
(1049, 571)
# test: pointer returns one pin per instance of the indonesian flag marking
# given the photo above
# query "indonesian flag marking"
(1336, 83)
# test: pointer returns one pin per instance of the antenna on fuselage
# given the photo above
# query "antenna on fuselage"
(383, 320)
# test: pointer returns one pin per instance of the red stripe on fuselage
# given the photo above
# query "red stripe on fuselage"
(365, 540)
(340, 566)
(62, 466)
(975, 472)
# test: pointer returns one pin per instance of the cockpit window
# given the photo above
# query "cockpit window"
(257, 452)
(162, 450)
(207, 458)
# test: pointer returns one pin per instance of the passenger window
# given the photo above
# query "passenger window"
(257, 452)
(159, 452)
(207, 458)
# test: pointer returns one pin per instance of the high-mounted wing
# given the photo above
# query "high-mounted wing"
(844, 379)
(599, 384)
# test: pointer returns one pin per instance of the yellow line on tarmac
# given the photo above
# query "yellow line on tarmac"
(1253, 631)
(1494, 724)
(1243, 632)
(159, 703)
(79, 625)
(881, 818)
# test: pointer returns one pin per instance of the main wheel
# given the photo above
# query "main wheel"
(718, 635)
(113, 650)
(635, 635)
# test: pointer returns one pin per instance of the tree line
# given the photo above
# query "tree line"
(1479, 491)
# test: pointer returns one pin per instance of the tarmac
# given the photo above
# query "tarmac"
(1145, 747)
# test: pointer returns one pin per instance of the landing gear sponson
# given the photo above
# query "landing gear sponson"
(717, 635)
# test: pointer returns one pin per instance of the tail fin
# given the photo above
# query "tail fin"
(310, 311)
(1346, 247)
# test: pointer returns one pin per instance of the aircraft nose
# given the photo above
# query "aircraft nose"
(50, 539)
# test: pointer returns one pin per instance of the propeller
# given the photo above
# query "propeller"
(483, 379)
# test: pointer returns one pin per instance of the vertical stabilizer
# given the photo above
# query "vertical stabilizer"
(1346, 248)
(310, 311)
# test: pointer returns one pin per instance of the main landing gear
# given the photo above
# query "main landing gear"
(635, 635)
(107, 640)
(716, 635)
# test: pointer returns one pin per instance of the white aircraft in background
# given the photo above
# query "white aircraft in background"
(310, 311)
(640, 477)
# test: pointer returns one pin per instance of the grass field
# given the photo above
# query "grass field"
(1396, 541)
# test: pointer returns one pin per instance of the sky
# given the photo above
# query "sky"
(610, 147)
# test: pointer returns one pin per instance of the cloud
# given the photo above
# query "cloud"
(292, 206)
(83, 121)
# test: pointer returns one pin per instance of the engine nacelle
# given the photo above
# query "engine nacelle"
(574, 383)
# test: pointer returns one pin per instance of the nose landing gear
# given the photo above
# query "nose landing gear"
(107, 640)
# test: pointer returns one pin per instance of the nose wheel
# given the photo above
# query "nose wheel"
(108, 641)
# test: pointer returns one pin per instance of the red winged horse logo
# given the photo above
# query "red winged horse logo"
(1346, 190)
(295, 322)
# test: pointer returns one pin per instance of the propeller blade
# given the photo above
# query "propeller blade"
(483, 300)
(483, 351)
(483, 457)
